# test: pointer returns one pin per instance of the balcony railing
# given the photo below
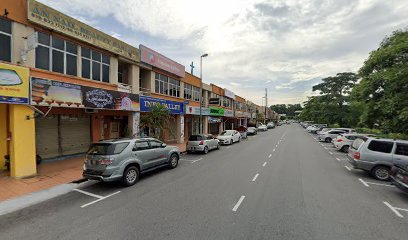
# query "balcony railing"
(123, 87)
(144, 91)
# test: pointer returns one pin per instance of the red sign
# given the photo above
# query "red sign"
(155, 59)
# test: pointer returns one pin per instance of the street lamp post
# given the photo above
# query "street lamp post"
(201, 92)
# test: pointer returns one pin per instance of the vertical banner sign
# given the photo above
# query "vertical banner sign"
(136, 124)
(182, 128)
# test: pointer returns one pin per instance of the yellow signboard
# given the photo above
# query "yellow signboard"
(14, 84)
(50, 18)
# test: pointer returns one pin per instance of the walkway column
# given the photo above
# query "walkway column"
(22, 144)
(180, 128)
(3, 134)
(205, 122)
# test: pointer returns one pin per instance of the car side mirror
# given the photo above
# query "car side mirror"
(163, 145)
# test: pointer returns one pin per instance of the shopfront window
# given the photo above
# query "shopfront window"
(5, 40)
(95, 65)
(161, 84)
(188, 91)
(55, 54)
(174, 87)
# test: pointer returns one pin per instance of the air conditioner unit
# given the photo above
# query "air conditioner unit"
(90, 110)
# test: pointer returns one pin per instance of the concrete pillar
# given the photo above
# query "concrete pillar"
(22, 144)
(134, 75)
(152, 81)
(205, 123)
(3, 134)
(180, 128)
(134, 124)
(79, 62)
(20, 32)
(221, 127)
(114, 67)
(181, 89)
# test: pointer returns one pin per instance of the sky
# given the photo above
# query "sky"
(286, 46)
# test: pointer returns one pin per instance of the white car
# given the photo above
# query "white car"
(262, 128)
(229, 137)
(330, 135)
(344, 141)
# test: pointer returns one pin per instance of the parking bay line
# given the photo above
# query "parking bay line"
(88, 193)
(395, 210)
(192, 161)
(264, 164)
(241, 199)
(348, 168)
(100, 199)
(367, 184)
(270, 155)
(255, 177)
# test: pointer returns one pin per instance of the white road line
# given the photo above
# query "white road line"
(273, 150)
(338, 160)
(238, 203)
(276, 145)
(328, 148)
(364, 183)
(264, 164)
(256, 176)
(100, 199)
(192, 161)
(393, 209)
(380, 184)
(89, 194)
(270, 155)
(331, 153)
(348, 168)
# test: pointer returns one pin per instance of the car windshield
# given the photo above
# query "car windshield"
(107, 148)
(226, 133)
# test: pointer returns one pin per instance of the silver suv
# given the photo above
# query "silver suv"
(374, 155)
(126, 159)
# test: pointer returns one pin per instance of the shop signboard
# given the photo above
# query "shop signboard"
(239, 114)
(215, 101)
(14, 84)
(155, 59)
(214, 120)
(46, 92)
(174, 107)
(215, 111)
(228, 113)
(45, 16)
(196, 111)
(229, 94)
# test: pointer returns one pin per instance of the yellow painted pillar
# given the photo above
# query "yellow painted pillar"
(3, 134)
(22, 144)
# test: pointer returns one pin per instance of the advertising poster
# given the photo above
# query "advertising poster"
(46, 92)
(173, 107)
(14, 84)
(214, 111)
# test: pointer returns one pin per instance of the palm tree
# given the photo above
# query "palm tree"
(156, 120)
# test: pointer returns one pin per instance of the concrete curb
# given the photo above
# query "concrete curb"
(31, 199)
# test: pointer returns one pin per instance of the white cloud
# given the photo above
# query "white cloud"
(254, 44)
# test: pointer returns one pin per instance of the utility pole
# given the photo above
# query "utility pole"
(266, 103)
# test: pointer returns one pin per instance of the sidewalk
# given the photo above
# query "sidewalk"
(49, 175)
(181, 146)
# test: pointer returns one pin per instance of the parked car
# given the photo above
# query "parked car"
(329, 135)
(270, 125)
(252, 131)
(316, 127)
(375, 155)
(343, 141)
(243, 131)
(262, 128)
(323, 130)
(229, 137)
(399, 172)
(202, 143)
(347, 130)
(126, 159)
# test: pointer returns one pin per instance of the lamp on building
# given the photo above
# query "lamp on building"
(201, 91)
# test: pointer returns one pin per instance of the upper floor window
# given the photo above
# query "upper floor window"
(95, 65)
(226, 102)
(174, 87)
(5, 40)
(123, 73)
(196, 94)
(55, 54)
(161, 84)
(188, 91)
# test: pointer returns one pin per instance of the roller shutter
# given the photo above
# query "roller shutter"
(75, 135)
(46, 136)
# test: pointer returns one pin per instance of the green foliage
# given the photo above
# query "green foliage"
(156, 120)
(288, 109)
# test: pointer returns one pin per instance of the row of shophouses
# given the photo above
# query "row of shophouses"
(64, 84)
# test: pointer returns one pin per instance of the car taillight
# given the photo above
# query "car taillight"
(339, 140)
(106, 161)
(201, 142)
(356, 155)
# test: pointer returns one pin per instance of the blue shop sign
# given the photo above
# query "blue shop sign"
(173, 107)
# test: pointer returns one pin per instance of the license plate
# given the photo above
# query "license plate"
(400, 177)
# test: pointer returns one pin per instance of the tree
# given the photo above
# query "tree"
(383, 91)
(288, 109)
(156, 120)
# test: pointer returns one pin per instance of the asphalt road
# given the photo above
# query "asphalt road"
(280, 184)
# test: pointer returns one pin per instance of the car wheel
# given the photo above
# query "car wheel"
(345, 148)
(130, 176)
(174, 158)
(232, 141)
(381, 173)
(218, 146)
(328, 140)
(239, 139)
(205, 150)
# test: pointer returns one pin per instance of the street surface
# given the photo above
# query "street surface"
(280, 184)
